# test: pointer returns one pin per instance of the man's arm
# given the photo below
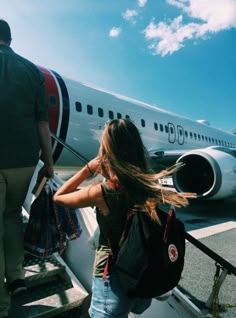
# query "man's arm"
(46, 147)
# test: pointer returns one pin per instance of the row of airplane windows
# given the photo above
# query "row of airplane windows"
(163, 128)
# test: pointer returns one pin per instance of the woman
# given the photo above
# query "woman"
(129, 182)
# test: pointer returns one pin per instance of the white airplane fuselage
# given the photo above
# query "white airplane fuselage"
(78, 112)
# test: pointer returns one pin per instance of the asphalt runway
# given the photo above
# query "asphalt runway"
(206, 213)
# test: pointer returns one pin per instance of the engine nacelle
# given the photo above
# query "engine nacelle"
(209, 172)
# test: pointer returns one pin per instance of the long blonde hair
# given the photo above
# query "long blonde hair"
(122, 151)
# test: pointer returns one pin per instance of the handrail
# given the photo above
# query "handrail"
(220, 260)
(225, 264)
(72, 150)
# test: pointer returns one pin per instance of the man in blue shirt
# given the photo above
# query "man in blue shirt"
(24, 132)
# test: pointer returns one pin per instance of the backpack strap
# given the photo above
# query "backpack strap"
(106, 268)
(170, 216)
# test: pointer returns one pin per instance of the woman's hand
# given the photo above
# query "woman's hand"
(93, 165)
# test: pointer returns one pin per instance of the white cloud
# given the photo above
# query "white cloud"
(114, 32)
(142, 3)
(177, 3)
(130, 15)
(214, 16)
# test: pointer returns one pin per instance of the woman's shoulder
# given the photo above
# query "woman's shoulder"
(113, 194)
(111, 185)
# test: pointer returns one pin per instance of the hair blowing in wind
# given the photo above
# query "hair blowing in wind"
(123, 156)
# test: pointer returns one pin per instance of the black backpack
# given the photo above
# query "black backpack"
(150, 258)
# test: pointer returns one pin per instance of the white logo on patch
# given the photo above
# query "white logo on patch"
(173, 253)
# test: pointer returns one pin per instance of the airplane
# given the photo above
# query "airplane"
(78, 112)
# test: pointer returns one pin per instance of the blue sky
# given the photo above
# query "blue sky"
(177, 54)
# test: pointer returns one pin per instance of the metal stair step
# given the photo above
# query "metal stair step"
(39, 271)
(46, 300)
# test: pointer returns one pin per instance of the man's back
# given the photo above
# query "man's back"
(22, 103)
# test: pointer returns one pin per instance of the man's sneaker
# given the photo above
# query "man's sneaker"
(17, 286)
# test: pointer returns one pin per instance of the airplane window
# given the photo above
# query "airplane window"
(180, 132)
(119, 115)
(199, 137)
(78, 106)
(186, 133)
(111, 114)
(166, 129)
(155, 126)
(171, 130)
(143, 123)
(191, 134)
(127, 116)
(90, 109)
(202, 137)
(161, 127)
(100, 112)
(195, 136)
(206, 138)
(52, 100)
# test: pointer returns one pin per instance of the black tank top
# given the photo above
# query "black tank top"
(110, 225)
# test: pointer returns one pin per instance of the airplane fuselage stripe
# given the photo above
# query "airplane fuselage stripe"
(65, 116)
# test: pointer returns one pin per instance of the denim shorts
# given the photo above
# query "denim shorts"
(109, 301)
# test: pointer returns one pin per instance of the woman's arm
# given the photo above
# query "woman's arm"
(90, 195)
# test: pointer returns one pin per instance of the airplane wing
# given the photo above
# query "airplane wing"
(168, 154)
(164, 158)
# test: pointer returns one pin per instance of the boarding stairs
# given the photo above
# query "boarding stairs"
(52, 290)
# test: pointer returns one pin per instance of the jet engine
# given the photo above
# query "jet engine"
(208, 172)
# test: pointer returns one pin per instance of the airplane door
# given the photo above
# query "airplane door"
(172, 133)
(180, 133)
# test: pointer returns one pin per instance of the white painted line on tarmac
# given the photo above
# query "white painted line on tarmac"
(211, 230)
